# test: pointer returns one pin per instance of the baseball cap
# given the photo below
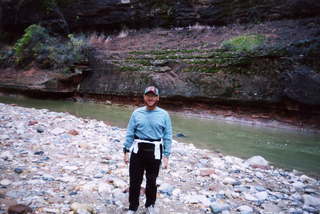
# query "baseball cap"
(151, 89)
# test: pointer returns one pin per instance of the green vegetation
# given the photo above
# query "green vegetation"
(27, 45)
(48, 52)
(244, 43)
(170, 51)
(130, 68)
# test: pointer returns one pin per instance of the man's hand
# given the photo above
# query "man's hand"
(165, 161)
(126, 157)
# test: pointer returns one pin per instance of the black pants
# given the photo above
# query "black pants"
(143, 161)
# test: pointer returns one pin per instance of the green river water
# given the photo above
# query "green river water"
(283, 148)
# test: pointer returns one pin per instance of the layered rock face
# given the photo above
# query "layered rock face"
(107, 15)
(186, 64)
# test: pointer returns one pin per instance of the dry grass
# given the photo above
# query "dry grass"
(199, 27)
(123, 34)
(97, 40)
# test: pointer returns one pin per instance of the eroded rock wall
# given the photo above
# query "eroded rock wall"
(108, 15)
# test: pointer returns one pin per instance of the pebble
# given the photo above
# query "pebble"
(18, 170)
(244, 209)
(59, 163)
(5, 182)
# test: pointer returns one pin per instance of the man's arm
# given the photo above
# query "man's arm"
(129, 138)
(167, 141)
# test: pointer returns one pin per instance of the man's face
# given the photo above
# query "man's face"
(151, 100)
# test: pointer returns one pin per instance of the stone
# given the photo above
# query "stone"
(261, 196)
(32, 122)
(19, 209)
(250, 197)
(79, 208)
(229, 180)
(206, 172)
(7, 156)
(119, 183)
(270, 207)
(259, 175)
(40, 130)
(307, 179)
(298, 185)
(180, 135)
(57, 131)
(39, 153)
(311, 200)
(166, 189)
(244, 209)
(18, 170)
(295, 211)
(73, 132)
(5, 182)
(218, 207)
(257, 161)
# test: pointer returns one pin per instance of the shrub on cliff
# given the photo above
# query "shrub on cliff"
(32, 40)
(48, 52)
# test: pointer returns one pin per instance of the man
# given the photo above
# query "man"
(149, 135)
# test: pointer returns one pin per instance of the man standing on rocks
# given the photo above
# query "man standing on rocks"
(149, 136)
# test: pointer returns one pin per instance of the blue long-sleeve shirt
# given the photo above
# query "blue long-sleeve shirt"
(150, 124)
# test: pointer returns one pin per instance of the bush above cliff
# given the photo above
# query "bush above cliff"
(49, 52)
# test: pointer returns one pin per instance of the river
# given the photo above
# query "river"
(282, 147)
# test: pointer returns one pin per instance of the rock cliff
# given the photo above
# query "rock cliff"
(108, 15)
(199, 63)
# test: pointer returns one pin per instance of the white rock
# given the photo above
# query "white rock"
(81, 208)
(70, 168)
(104, 187)
(311, 200)
(5, 182)
(234, 160)
(250, 197)
(298, 185)
(259, 175)
(196, 199)
(67, 179)
(4, 137)
(57, 131)
(261, 196)
(257, 160)
(176, 192)
(50, 210)
(119, 183)
(245, 209)
(229, 180)
(304, 178)
(6, 156)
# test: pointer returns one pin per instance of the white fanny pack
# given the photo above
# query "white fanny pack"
(156, 144)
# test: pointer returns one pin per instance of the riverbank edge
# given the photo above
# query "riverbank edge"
(271, 124)
(253, 116)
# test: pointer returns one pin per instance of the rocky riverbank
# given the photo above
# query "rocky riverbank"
(58, 163)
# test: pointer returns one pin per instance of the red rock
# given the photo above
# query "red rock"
(19, 209)
(260, 166)
(32, 122)
(206, 172)
(73, 132)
